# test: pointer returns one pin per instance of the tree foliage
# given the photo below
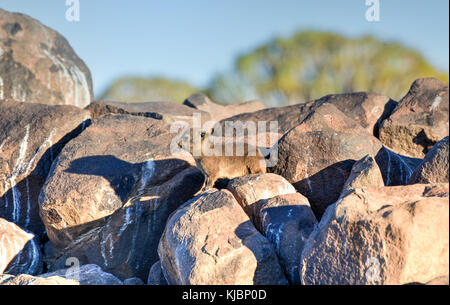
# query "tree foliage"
(138, 89)
(313, 64)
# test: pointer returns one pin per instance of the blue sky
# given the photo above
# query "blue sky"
(192, 40)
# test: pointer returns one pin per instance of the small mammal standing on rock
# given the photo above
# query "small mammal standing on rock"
(218, 167)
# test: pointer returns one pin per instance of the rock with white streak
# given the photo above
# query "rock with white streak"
(286, 221)
(85, 275)
(125, 245)
(38, 65)
(251, 188)
(395, 169)
(31, 136)
(210, 240)
(96, 173)
(19, 250)
(434, 168)
(381, 235)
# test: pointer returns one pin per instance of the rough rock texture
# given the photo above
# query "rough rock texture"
(286, 221)
(31, 136)
(317, 156)
(25, 279)
(434, 168)
(249, 189)
(395, 169)
(384, 235)
(166, 111)
(156, 276)
(219, 112)
(38, 65)
(19, 250)
(210, 240)
(85, 275)
(419, 120)
(96, 172)
(367, 109)
(365, 172)
(127, 241)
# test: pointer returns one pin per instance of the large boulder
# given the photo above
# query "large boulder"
(367, 109)
(210, 240)
(251, 188)
(219, 112)
(25, 279)
(96, 172)
(85, 275)
(31, 136)
(317, 156)
(38, 65)
(19, 250)
(381, 235)
(286, 221)
(434, 168)
(419, 120)
(125, 243)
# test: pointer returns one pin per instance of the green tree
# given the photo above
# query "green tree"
(313, 64)
(138, 89)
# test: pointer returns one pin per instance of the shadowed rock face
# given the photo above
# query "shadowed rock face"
(381, 235)
(419, 120)
(31, 136)
(96, 173)
(317, 156)
(434, 168)
(210, 240)
(38, 65)
(19, 250)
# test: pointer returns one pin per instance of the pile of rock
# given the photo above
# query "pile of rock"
(97, 195)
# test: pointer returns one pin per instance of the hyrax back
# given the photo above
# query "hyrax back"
(215, 167)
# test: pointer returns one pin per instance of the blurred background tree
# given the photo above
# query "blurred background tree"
(312, 64)
(139, 89)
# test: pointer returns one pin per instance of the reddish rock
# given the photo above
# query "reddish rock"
(317, 156)
(419, 120)
(434, 168)
(381, 235)
(166, 111)
(210, 240)
(31, 137)
(248, 190)
(38, 65)
(365, 172)
(19, 250)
